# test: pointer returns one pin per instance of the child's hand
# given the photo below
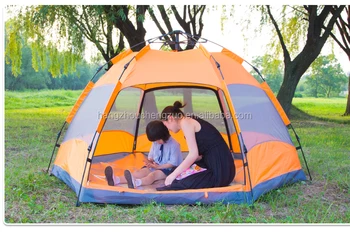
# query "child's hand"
(152, 165)
(146, 161)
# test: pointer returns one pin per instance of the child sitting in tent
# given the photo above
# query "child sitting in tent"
(163, 158)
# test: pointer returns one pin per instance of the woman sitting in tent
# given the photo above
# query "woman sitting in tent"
(204, 139)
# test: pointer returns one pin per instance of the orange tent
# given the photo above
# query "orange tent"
(107, 126)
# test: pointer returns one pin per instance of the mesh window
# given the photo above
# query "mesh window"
(200, 102)
(124, 111)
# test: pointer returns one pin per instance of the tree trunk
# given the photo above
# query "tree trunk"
(150, 108)
(287, 90)
(347, 111)
(294, 71)
(188, 101)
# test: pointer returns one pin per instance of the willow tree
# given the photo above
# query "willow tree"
(190, 19)
(343, 27)
(62, 32)
(301, 32)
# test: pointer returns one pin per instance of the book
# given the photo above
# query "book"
(190, 171)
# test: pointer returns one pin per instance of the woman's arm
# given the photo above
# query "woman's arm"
(188, 129)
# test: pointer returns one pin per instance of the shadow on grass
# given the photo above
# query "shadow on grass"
(297, 114)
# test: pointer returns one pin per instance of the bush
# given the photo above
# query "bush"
(298, 95)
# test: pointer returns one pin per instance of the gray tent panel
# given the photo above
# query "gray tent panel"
(258, 119)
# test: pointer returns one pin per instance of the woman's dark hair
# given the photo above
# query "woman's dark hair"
(173, 110)
(156, 130)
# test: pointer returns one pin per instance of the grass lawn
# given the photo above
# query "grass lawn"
(32, 121)
(326, 109)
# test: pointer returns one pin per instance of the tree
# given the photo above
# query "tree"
(326, 77)
(312, 21)
(64, 31)
(13, 48)
(312, 83)
(194, 25)
(119, 16)
(42, 79)
(270, 69)
(343, 26)
(29, 78)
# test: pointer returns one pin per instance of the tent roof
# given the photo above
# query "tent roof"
(192, 66)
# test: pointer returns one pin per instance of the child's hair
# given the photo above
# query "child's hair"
(156, 130)
(173, 110)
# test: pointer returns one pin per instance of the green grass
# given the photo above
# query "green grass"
(327, 109)
(32, 196)
(39, 99)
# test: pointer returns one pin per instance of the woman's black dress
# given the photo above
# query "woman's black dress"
(216, 158)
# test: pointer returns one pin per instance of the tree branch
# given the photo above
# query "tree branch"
(192, 20)
(324, 13)
(160, 28)
(155, 20)
(165, 18)
(338, 42)
(297, 10)
(102, 25)
(184, 13)
(140, 10)
(332, 21)
(201, 25)
(342, 26)
(312, 10)
(180, 20)
(345, 36)
(86, 17)
(121, 45)
(82, 27)
(286, 54)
